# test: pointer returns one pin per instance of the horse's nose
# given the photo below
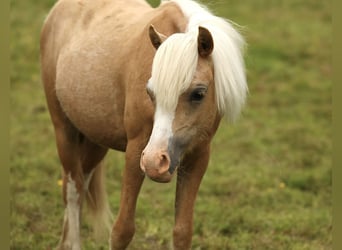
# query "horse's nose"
(159, 161)
(156, 165)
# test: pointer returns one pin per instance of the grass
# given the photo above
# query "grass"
(268, 185)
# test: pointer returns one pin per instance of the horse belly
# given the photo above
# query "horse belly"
(92, 100)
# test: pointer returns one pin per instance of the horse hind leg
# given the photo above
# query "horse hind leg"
(68, 150)
(71, 226)
(82, 180)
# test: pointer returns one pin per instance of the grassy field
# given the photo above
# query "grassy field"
(268, 185)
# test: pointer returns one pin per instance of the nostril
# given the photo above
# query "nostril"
(164, 163)
(163, 159)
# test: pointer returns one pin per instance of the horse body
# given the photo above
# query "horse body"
(98, 59)
(95, 73)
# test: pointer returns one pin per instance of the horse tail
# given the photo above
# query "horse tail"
(97, 203)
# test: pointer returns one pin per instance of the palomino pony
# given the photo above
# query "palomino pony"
(155, 83)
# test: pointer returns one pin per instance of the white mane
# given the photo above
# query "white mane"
(229, 71)
(173, 66)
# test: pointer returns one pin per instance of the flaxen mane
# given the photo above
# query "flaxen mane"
(229, 70)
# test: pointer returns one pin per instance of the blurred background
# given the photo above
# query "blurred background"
(268, 184)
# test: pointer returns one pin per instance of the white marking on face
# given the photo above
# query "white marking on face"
(73, 216)
(162, 129)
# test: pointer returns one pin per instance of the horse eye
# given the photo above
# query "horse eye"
(198, 94)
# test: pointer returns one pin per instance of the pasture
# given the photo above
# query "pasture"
(268, 184)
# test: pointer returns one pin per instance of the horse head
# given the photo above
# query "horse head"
(183, 91)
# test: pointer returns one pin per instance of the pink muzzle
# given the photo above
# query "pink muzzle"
(155, 163)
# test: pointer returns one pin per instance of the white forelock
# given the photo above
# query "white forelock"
(176, 61)
(173, 68)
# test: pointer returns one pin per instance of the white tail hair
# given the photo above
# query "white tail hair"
(98, 207)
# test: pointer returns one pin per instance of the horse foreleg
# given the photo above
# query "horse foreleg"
(188, 182)
(124, 227)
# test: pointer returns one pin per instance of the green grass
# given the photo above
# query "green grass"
(268, 185)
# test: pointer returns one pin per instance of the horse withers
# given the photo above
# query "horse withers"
(153, 82)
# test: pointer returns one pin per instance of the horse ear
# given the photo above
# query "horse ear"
(156, 38)
(205, 42)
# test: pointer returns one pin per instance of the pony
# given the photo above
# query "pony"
(151, 82)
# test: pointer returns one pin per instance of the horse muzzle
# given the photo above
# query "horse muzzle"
(156, 164)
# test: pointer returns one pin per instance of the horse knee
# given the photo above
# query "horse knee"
(121, 236)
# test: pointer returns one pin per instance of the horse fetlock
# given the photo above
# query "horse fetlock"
(121, 236)
(182, 237)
